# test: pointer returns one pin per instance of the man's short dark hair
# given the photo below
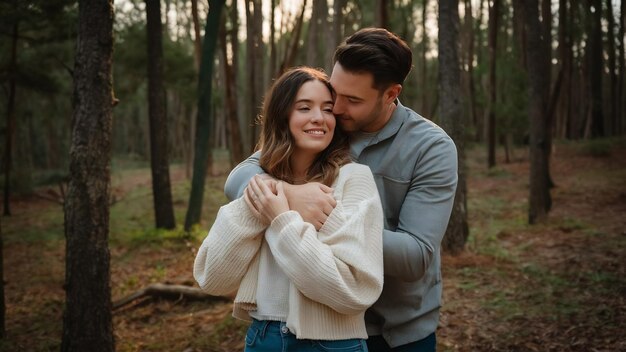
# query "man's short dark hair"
(377, 51)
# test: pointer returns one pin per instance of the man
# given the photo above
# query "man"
(414, 163)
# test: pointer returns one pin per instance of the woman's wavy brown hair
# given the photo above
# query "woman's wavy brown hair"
(277, 143)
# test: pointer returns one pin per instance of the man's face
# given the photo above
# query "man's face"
(358, 106)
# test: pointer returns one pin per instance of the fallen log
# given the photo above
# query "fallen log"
(171, 292)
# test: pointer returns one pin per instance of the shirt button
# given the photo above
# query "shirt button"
(284, 329)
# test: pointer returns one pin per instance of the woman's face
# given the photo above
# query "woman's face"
(312, 123)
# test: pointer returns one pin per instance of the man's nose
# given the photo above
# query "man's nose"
(339, 107)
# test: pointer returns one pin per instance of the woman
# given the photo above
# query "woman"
(305, 290)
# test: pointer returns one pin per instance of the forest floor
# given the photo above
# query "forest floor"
(556, 286)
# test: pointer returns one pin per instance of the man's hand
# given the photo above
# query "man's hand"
(314, 201)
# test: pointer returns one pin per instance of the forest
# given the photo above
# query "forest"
(122, 119)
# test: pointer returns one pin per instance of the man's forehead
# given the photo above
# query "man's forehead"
(351, 83)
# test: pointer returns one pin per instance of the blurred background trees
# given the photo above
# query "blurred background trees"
(257, 39)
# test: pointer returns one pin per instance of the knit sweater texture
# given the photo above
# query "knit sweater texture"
(335, 273)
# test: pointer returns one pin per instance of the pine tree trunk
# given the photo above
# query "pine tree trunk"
(380, 14)
(621, 115)
(230, 105)
(10, 127)
(494, 13)
(565, 59)
(612, 106)
(452, 117)
(159, 160)
(87, 320)
(254, 53)
(2, 304)
(469, 19)
(203, 125)
(197, 41)
(538, 81)
(594, 53)
(424, 43)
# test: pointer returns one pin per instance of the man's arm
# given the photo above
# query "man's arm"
(424, 215)
(314, 201)
(240, 176)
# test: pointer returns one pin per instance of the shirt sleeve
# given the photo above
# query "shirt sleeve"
(240, 176)
(229, 248)
(340, 266)
(424, 215)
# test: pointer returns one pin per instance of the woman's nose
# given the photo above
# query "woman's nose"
(317, 115)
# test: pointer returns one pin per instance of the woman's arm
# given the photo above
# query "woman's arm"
(340, 266)
(226, 252)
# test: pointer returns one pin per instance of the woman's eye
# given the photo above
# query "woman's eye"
(328, 110)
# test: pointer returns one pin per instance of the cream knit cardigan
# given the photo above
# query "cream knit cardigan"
(335, 274)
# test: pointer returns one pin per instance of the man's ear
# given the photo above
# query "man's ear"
(392, 93)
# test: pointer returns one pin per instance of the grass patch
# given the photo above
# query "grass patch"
(228, 332)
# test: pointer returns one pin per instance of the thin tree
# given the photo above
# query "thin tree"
(452, 118)
(292, 50)
(197, 41)
(469, 27)
(232, 122)
(159, 161)
(381, 14)
(254, 53)
(87, 320)
(594, 54)
(621, 115)
(2, 305)
(203, 129)
(565, 60)
(538, 88)
(494, 13)
(10, 127)
(613, 101)
(424, 82)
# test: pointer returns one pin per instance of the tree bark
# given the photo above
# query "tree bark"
(230, 105)
(594, 54)
(87, 320)
(494, 13)
(10, 128)
(255, 54)
(452, 117)
(612, 106)
(538, 81)
(424, 63)
(621, 115)
(565, 59)
(469, 25)
(159, 160)
(203, 125)
(197, 41)
(290, 53)
(2, 304)
(381, 15)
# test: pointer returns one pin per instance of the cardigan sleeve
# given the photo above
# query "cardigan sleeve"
(340, 266)
(229, 248)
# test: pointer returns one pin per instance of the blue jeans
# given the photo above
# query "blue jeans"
(378, 344)
(274, 336)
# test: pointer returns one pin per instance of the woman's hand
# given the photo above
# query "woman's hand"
(264, 201)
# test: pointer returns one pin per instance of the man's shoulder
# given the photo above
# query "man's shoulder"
(421, 131)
